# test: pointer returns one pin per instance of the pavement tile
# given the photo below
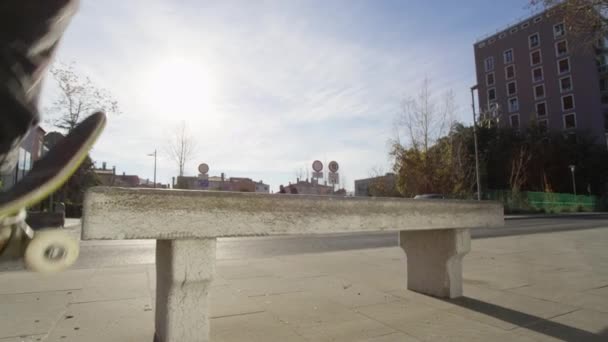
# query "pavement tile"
(114, 284)
(345, 292)
(224, 301)
(357, 330)
(32, 313)
(581, 325)
(26, 282)
(265, 286)
(304, 309)
(601, 291)
(394, 337)
(286, 269)
(31, 338)
(430, 324)
(508, 311)
(242, 270)
(257, 327)
(586, 301)
(120, 320)
(577, 325)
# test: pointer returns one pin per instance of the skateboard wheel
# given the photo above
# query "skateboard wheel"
(51, 251)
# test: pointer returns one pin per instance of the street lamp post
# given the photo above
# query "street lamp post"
(154, 155)
(475, 140)
(572, 169)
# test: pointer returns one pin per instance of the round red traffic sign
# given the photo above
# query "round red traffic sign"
(317, 166)
(203, 168)
(333, 166)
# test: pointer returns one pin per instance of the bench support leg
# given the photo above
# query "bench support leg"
(434, 260)
(184, 271)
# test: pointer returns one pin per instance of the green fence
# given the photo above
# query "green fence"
(544, 201)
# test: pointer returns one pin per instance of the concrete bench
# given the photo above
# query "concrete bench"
(434, 235)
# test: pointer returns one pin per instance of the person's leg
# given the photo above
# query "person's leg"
(29, 33)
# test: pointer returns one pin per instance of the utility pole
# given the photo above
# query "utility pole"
(572, 169)
(154, 155)
(475, 140)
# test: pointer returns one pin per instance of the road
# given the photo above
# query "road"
(116, 253)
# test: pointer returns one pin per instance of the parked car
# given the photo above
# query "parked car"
(429, 196)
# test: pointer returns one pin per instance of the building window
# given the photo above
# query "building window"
(508, 56)
(491, 40)
(538, 19)
(514, 118)
(567, 102)
(482, 44)
(534, 41)
(513, 30)
(541, 109)
(603, 84)
(543, 125)
(561, 48)
(511, 88)
(502, 35)
(563, 66)
(565, 84)
(492, 94)
(490, 79)
(489, 63)
(570, 121)
(513, 105)
(525, 25)
(537, 74)
(510, 71)
(559, 30)
(535, 58)
(539, 91)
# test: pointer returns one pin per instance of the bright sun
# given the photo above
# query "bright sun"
(180, 85)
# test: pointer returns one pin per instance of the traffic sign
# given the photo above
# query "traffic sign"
(317, 175)
(317, 166)
(203, 183)
(203, 168)
(333, 166)
(334, 178)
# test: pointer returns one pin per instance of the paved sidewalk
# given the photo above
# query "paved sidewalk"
(544, 287)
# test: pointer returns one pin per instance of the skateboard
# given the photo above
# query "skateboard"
(45, 250)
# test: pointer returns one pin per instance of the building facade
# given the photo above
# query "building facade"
(309, 187)
(532, 72)
(377, 186)
(221, 183)
(31, 149)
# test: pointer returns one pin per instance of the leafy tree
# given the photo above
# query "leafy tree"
(584, 19)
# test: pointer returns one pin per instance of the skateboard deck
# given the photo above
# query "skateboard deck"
(48, 250)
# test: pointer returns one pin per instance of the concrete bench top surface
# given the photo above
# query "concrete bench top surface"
(127, 213)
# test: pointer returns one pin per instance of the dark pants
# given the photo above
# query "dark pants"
(29, 33)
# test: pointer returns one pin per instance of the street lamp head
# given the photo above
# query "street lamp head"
(572, 168)
(474, 87)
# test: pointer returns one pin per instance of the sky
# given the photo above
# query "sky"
(267, 87)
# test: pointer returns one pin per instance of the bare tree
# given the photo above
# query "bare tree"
(181, 147)
(78, 97)
(519, 168)
(423, 120)
(585, 19)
